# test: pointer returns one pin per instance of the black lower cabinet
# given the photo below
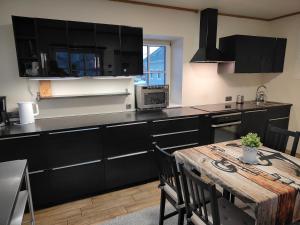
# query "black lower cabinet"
(65, 184)
(129, 169)
(254, 122)
(23, 147)
(176, 140)
(282, 123)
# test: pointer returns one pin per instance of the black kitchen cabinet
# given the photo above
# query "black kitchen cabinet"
(71, 147)
(130, 169)
(279, 116)
(254, 122)
(280, 46)
(108, 42)
(28, 57)
(177, 133)
(252, 54)
(52, 187)
(82, 44)
(131, 51)
(126, 138)
(24, 147)
(53, 47)
(57, 48)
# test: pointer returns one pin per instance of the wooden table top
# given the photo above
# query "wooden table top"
(271, 187)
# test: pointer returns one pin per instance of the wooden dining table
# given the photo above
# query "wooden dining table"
(271, 187)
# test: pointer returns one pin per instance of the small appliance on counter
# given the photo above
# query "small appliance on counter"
(4, 120)
(151, 97)
(240, 99)
(26, 113)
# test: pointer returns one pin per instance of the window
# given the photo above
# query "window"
(154, 61)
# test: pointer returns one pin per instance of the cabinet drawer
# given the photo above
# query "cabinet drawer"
(67, 183)
(126, 138)
(282, 123)
(23, 147)
(279, 112)
(177, 139)
(130, 169)
(72, 146)
(175, 125)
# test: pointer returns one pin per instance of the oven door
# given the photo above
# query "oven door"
(226, 131)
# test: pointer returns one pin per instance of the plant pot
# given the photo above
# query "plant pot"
(249, 155)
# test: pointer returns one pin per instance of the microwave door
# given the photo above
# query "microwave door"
(154, 99)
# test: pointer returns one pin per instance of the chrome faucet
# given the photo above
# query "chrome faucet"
(261, 95)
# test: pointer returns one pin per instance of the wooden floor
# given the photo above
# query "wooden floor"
(97, 209)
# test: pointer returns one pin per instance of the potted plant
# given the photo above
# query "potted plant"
(250, 144)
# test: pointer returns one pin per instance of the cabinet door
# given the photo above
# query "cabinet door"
(82, 43)
(41, 189)
(267, 46)
(248, 52)
(254, 122)
(24, 147)
(175, 125)
(282, 122)
(279, 55)
(109, 48)
(29, 62)
(130, 169)
(131, 51)
(126, 138)
(70, 147)
(72, 183)
(53, 46)
(65, 184)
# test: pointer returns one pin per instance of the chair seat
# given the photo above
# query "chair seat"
(229, 215)
(170, 191)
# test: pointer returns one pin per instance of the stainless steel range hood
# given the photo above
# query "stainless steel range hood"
(207, 52)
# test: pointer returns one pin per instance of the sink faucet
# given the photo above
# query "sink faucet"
(261, 94)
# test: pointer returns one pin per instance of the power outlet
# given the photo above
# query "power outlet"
(228, 98)
(128, 106)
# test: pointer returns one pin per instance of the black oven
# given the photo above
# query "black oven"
(226, 127)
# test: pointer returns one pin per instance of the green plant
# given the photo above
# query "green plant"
(251, 140)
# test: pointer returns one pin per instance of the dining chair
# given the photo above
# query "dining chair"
(277, 139)
(169, 185)
(218, 211)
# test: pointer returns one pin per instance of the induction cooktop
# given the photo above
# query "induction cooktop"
(225, 107)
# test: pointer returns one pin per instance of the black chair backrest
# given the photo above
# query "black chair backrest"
(193, 189)
(277, 139)
(168, 171)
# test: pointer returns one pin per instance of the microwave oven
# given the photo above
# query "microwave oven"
(151, 97)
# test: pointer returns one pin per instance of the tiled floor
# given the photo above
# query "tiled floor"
(97, 209)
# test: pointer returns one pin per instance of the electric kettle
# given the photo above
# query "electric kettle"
(27, 113)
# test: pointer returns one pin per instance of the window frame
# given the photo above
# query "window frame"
(149, 71)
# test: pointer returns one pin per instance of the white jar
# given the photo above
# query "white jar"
(249, 155)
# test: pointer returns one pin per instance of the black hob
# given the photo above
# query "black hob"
(228, 107)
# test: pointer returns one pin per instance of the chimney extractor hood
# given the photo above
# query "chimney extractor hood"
(207, 52)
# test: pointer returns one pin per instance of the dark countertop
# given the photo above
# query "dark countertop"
(233, 107)
(87, 121)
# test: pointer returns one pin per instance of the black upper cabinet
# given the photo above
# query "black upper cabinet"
(53, 47)
(108, 44)
(131, 51)
(82, 44)
(252, 54)
(26, 46)
(280, 45)
(56, 48)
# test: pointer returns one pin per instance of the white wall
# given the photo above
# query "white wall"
(200, 83)
(286, 86)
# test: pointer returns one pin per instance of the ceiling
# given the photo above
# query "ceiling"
(266, 9)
